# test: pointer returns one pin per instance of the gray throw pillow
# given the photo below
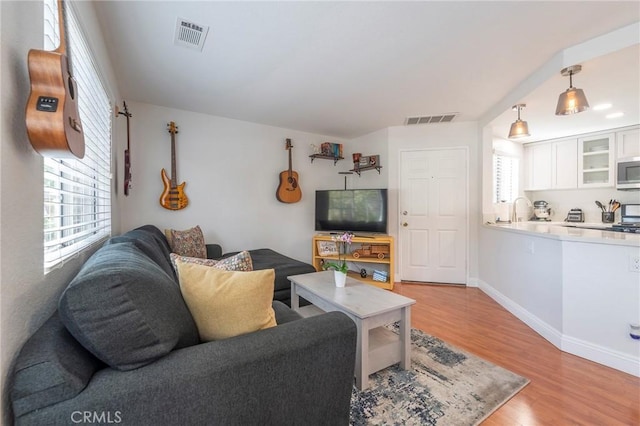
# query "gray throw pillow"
(125, 309)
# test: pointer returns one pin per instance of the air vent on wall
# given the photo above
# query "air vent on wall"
(189, 34)
(430, 119)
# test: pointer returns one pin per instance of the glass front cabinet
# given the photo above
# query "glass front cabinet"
(596, 161)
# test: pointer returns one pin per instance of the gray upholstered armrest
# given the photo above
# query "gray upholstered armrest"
(214, 251)
(238, 381)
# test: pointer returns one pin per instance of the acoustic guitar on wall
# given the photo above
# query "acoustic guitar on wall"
(52, 119)
(289, 189)
(173, 196)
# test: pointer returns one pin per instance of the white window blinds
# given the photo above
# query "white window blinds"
(77, 193)
(505, 178)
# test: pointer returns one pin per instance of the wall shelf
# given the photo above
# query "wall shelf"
(365, 168)
(326, 157)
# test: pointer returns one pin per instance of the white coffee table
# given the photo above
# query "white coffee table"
(370, 308)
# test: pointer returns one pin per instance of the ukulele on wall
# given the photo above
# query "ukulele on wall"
(173, 196)
(52, 119)
(127, 153)
(289, 189)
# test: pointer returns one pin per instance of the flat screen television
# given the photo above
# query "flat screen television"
(354, 210)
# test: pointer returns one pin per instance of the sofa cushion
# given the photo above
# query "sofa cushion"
(151, 242)
(189, 242)
(227, 303)
(125, 309)
(52, 367)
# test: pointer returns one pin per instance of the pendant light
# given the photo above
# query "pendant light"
(573, 100)
(519, 128)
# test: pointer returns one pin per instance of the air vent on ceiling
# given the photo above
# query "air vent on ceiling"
(189, 34)
(430, 119)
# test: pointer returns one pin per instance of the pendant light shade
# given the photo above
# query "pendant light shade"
(519, 128)
(571, 101)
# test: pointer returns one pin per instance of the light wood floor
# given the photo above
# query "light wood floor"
(564, 389)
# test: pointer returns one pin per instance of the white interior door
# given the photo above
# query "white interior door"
(433, 216)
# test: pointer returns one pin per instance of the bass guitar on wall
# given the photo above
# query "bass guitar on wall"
(52, 119)
(289, 190)
(173, 196)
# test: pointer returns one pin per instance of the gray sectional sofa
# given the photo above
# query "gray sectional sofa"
(123, 348)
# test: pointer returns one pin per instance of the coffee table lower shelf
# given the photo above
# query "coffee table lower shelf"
(384, 345)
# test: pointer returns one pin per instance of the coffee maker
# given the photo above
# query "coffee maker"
(541, 211)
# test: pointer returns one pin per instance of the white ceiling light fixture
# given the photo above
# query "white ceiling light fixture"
(519, 128)
(571, 101)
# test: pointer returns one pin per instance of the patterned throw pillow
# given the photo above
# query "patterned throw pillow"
(175, 258)
(238, 262)
(189, 243)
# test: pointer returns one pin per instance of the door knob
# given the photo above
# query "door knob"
(404, 213)
(405, 224)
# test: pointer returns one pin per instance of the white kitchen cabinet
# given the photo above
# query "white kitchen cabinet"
(628, 143)
(564, 164)
(551, 165)
(537, 166)
(595, 161)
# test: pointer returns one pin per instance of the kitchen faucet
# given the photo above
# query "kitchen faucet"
(514, 214)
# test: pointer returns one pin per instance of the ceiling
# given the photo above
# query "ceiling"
(345, 69)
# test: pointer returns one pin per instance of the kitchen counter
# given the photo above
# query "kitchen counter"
(569, 231)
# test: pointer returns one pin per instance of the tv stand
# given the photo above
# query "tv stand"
(370, 252)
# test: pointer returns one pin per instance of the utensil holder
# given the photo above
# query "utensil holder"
(608, 217)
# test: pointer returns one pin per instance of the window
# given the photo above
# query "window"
(505, 178)
(77, 193)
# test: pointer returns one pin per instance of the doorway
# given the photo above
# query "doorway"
(433, 215)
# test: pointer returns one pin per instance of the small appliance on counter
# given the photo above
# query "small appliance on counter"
(541, 211)
(575, 215)
(629, 219)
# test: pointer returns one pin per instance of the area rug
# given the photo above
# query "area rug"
(445, 386)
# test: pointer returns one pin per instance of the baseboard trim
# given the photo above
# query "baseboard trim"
(599, 354)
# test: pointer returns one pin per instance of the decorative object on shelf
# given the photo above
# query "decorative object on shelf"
(366, 162)
(289, 190)
(382, 276)
(372, 250)
(573, 100)
(519, 128)
(340, 267)
(327, 248)
(127, 152)
(173, 196)
(331, 149)
(356, 157)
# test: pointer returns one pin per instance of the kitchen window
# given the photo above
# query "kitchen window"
(505, 177)
(77, 192)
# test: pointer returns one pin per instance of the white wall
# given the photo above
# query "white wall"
(446, 135)
(28, 296)
(231, 169)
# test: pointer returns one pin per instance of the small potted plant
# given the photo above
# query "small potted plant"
(340, 268)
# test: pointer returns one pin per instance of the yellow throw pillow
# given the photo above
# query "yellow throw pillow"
(227, 303)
